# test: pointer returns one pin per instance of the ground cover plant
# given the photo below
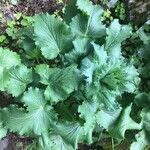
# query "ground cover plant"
(73, 81)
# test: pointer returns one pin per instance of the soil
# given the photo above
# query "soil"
(138, 12)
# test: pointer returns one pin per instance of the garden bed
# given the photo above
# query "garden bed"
(15, 17)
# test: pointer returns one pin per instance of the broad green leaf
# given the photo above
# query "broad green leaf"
(90, 118)
(51, 35)
(124, 123)
(89, 24)
(81, 46)
(86, 6)
(70, 132)
(143, 137)
(19, 78)
(117, 122)
(38, 117)
(8, 59)
(116, 34)
(62, 82)
(44, 72)
(107, 118)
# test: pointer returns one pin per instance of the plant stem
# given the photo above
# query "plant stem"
(112, 142)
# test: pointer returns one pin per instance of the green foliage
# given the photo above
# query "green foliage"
(120, 10)
(69, 81)
(107, 16)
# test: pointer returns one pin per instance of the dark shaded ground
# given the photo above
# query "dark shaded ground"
(13, 142)
(138, 12)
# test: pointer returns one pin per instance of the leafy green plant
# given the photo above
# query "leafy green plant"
(69, 90)
(13, 26)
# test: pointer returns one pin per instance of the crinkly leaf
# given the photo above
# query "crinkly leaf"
(88, 25)
(81, 46)
(8, 59)
(107, 77)
(89, 65)
(38, 119)
(116, 34)
(19, 78)
(51, 35)
(62, 82)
